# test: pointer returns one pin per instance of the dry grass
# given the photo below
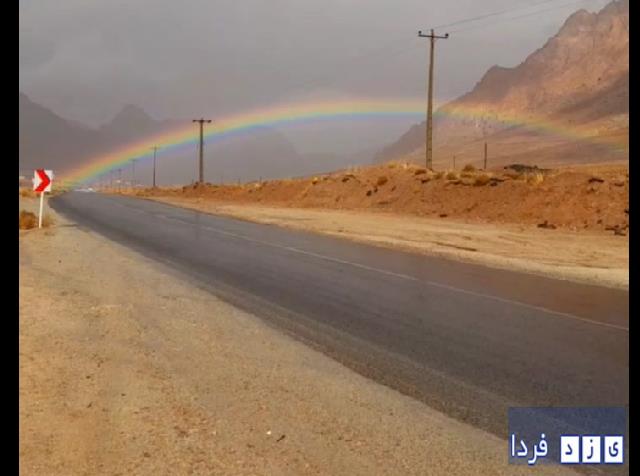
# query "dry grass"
(453, 175)
(27, 193)
(482, 179)
(535, 178)
(469, 168)
(28, 220)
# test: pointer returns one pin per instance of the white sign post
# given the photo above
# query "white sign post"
(42, 183)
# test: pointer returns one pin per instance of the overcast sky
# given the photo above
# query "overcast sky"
(85, 59)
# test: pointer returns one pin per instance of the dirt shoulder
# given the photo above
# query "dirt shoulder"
(125, 368)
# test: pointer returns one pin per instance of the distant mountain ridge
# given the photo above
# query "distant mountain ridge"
(50, 141)
(579, 77)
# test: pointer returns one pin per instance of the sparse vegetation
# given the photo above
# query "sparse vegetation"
(418, 191)
(469, 168)
(482, 179)
(28, 220)
(535, 178)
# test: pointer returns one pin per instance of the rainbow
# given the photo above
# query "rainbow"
(300, 113)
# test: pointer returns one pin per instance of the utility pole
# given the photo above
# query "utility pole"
(155, 149)
(201, 164)
(454, 162)
(485, 156)
(133, 173)
(429, 142)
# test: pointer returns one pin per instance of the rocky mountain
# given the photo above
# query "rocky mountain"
(48, 140)
(578, 79)
(131, 123)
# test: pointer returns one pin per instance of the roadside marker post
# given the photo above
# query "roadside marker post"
(42, 180)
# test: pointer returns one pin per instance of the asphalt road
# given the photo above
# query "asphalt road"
(467, 340)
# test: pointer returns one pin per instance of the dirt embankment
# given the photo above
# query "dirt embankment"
(594, 198)
(128, 369)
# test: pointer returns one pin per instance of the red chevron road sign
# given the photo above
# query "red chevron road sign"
(42, 180)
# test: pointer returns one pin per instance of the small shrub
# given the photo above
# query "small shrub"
(482, 179)
(469, 168)
(535, 178)
(381, 181)
(438, 175)
(452, 175)
(420, 171)
(27, 220)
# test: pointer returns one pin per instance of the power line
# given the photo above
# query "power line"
(493, 14)
(526, 15)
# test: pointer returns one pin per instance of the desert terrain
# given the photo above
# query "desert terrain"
(569, 223)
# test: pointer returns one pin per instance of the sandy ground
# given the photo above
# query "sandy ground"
(125, 368)
(589, 257)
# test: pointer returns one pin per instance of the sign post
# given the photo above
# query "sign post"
(42, 183)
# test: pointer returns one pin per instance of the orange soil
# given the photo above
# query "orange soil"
(594, 198)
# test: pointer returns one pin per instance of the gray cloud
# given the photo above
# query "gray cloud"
(87, 58)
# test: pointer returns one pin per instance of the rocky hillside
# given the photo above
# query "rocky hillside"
(580, 78)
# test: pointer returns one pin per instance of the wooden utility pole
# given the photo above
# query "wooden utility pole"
(201, 163)
(485, 156)
(155, 149)
(429, 139)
